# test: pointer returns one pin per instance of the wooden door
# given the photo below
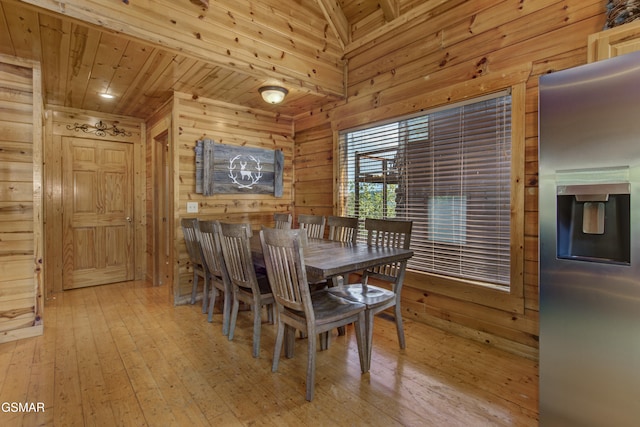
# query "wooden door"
(97, 186)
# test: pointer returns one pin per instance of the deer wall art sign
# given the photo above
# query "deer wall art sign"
(222, 168)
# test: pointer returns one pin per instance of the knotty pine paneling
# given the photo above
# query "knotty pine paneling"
(20, 199)
(314, 171)
(464, 50)
(284, 42)
(256, 44)
(230, 124)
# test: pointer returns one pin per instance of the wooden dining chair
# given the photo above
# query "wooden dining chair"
(251, 288)
(314, 224)
(298, 309)
(218, 277)
(196, 259)
(282, 220)
(381, 233)
(343, 229)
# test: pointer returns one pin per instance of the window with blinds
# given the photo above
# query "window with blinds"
(447, 170)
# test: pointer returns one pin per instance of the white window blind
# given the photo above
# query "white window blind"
(449, 171)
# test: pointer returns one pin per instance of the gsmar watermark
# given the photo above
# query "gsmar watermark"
(22, 407)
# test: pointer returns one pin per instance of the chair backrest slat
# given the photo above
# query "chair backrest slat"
(189, 230)
(211, 249)
(388, 233)
(236, 251)
(282, 220)
(282, 251)
(314, 224)
(343, 229)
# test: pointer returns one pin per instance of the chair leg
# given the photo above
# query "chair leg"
(257, 326)
(290, 337)
(361, 342)
(212, 303)
(278, 347)
(226, 312)
(271, 309)
(368, 331)
(324, 340)
(399, 326)
(234, 317)
(340, 281)
(311, 365)
(194, 289)
(205, 293)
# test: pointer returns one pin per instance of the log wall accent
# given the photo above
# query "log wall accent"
(56, 129)
(195, 119)
(458, 53)
(21, 237)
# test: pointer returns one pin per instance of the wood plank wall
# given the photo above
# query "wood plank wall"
(56, 130)
(195, 119)
(455, 50)
(314, 173)
(21, 241)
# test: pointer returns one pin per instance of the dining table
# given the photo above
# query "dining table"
(333, 260)
(328, 259)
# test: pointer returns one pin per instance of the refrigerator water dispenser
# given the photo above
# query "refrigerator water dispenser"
(594, 223)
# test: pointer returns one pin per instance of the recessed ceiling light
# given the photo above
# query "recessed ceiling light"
(107, 96)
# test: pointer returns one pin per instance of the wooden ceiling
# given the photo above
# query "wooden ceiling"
(141, 51)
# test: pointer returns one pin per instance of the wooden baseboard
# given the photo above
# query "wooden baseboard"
(492, 340)
(18, 334)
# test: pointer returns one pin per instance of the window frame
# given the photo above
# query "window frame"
(511, 299)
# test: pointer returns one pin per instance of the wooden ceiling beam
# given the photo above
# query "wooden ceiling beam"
(420, 14)
(390, 9)
(216, 36)
(336, 19)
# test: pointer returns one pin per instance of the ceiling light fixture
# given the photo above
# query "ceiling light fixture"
(203, 3)
(107, 96)
(273, 94)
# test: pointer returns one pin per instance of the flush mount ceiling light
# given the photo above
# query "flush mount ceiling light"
(107, 96)
(273, 94)
(203, 3)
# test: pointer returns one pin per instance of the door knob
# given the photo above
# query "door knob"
(128, 218)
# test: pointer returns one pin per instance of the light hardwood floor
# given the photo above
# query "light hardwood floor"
(124, 355)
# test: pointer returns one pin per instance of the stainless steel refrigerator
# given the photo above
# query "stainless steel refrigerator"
(589, 219)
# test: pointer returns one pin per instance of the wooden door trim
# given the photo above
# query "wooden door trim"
(158, 175)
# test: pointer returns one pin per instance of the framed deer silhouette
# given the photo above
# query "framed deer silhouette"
(222, 168)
